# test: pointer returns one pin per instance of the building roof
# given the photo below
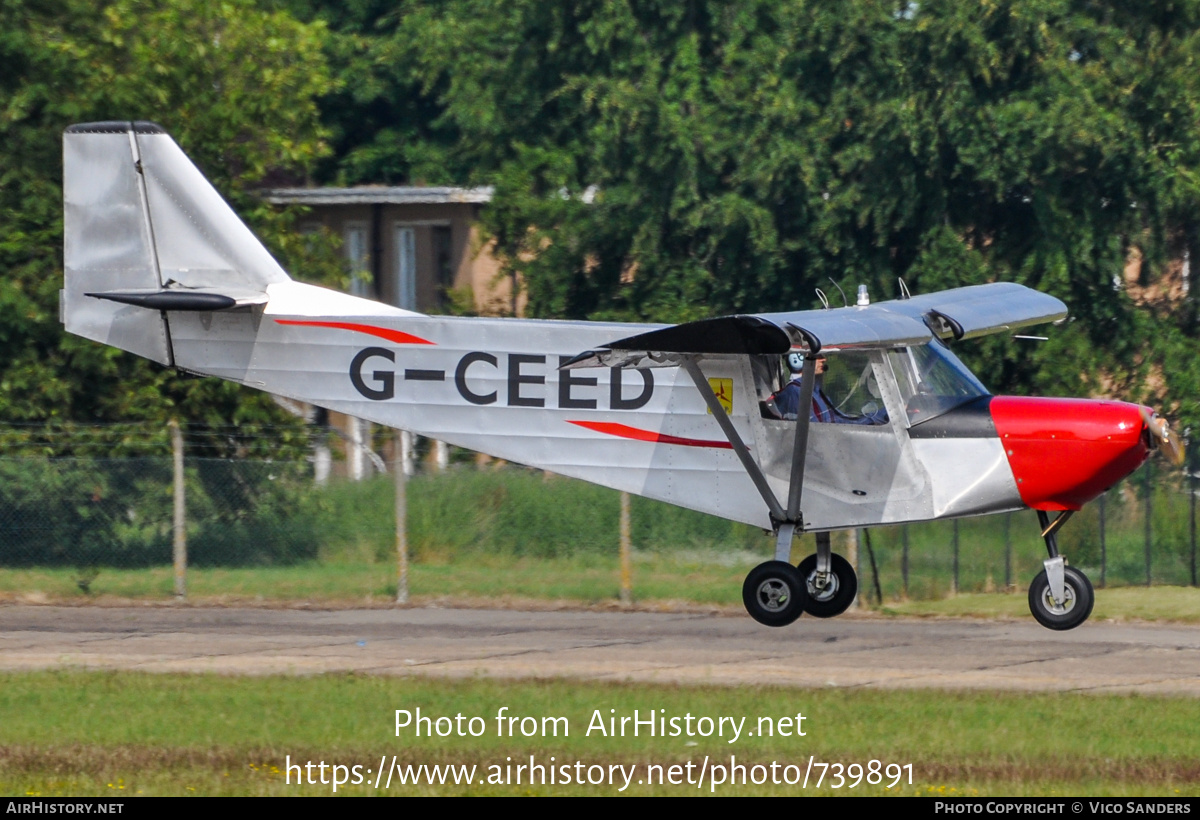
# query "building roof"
(378, 195)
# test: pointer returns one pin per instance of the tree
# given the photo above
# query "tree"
(235, 85)
(384, 127)
(672, 160)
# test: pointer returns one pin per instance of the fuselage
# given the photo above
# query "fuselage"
(156, 263)
(943, 447)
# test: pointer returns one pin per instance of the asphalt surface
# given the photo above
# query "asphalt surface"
(614, 646)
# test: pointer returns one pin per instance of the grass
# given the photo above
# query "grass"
(485, 536)
(78, 733)
(660, 580)
(469, 581)
(1178, 604)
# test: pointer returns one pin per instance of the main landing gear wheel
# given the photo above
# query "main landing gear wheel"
(1075, 608)
(837, 593)
(774, 593)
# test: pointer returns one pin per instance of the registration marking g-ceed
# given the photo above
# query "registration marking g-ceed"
(374, 373)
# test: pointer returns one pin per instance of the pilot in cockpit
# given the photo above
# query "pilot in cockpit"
(786, 402)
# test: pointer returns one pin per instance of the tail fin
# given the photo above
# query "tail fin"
(144, 232)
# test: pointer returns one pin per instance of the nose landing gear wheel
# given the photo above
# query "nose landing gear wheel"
(837, 593)
(1075, 608)
(774, 593)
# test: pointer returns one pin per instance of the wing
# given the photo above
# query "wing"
(959, 313)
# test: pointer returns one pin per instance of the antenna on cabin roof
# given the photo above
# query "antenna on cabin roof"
(904, 294)
(824, 299)
(845, 301)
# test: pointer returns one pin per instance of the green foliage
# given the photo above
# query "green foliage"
(93, 512)
(518, 512)
(384, 128)
(68, 512)
(251, 513)
(668, 161)
(653, 160)
(234, 84)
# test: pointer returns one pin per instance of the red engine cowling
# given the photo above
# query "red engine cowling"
(1065, 452)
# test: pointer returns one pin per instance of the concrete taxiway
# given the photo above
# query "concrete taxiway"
(613, 646)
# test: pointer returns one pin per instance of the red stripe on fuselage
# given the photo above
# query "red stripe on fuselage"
(625, 431)
(397, 336)
(1065, 452)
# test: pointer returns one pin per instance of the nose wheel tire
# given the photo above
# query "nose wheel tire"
(1072, 611)
(774, 593)
(836, 594)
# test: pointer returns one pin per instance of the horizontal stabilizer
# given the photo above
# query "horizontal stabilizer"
(178, 299)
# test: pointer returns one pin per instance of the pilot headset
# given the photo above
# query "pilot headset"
(795, 362)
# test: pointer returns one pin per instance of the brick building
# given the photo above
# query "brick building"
(418, 248)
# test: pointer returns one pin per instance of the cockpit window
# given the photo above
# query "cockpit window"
(845, 392)
(932, 381)
(848, 392)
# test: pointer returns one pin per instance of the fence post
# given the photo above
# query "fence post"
(1149, 512)
(1008, 582)
(874, 569)
(400, 477)
(1103, 542)
(179, 524)
(1192, 521)
(408, 448)
(626, 546)
(955, 588)
(852, 557)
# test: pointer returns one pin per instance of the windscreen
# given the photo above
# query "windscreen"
(932, 381)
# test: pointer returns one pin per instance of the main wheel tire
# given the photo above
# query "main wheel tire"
(1073, 611)
(839, 591)
(774, 593)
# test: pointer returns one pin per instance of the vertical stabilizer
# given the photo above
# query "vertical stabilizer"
(201, 242)
(145, 232)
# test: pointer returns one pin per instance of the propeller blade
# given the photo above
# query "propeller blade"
(1165, 440)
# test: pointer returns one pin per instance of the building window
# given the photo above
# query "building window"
(358, 256)
(442, 267)
(406, 267)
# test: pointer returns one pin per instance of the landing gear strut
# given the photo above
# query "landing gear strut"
(829, 580)
(1060, 597)
(776, 593)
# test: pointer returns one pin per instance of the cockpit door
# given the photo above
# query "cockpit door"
(861, 469)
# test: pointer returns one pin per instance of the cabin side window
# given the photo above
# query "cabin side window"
(845, 392)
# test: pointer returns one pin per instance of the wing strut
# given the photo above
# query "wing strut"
(739, 447)
(808, 382)
(794, 520)
(789, 520)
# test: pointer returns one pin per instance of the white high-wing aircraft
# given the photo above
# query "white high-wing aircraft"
(696, 414)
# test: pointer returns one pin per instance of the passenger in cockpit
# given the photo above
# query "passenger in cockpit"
(787, 400)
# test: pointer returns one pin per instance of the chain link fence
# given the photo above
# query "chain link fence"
(100, 497)
(1141, 532)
